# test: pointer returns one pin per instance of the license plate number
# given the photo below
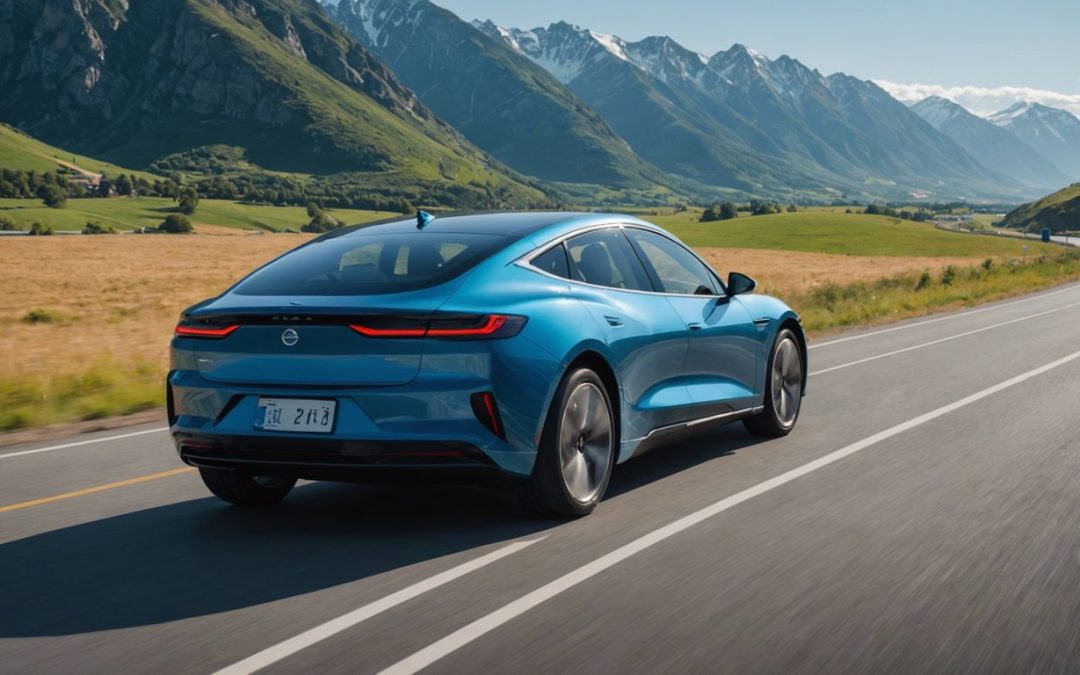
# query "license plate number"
(307, 416)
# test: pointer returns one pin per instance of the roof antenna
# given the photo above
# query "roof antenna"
(423, 218)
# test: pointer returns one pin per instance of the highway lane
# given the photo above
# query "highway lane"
(947, 546)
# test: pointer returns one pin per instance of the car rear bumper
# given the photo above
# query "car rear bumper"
(344, 460)
(424, 428)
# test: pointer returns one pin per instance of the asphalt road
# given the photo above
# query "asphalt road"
(924, 517)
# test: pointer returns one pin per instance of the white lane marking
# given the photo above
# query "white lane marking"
(78, 443)
(948, 317)
(940, 340)
(463, 636)
(273, 654)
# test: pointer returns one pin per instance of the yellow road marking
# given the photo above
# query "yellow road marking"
(96, 488)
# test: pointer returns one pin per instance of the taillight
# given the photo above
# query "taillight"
(183, 330)
(483, 326)
(483, 405)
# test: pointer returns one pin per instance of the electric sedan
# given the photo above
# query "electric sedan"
(536, 348)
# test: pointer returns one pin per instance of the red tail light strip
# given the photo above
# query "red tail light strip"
(494, 323)
(491, 326)
(194, 331)
(389, 332)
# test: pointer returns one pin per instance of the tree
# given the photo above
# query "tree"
(711, 214)
(727, 211)
(123, 186)
(189, 199)
(321, 221)
(176, 224)
(791, 208)
(53, 196)
(872, 210)
(37, 229)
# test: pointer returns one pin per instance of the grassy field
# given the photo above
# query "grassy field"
(840, 233)
(86, 321)
(128, 213)
(19, 151)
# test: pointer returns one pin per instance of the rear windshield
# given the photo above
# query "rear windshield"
(370, 265)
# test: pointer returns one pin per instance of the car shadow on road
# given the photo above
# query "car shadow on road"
(202, 557)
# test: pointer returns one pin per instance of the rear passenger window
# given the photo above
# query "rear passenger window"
(553, 261)
(604, 258)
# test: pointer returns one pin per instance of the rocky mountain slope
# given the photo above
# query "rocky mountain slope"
(1053, 133)
(990, 144)
(497, 98)
(133, 82)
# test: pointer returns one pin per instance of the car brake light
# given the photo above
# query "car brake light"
(487, 326)
(207, 332)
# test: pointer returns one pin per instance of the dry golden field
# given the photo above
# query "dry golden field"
(87, 319)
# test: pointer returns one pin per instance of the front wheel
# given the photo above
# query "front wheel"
(577, 448)
(783, 389)
(242, 489)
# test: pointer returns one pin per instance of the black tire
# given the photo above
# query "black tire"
(770, 422)
(242, 489)
(548, 491)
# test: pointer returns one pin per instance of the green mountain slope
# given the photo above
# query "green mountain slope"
(498, 98)
(1058, 211)
(277, 79)
(26, 153)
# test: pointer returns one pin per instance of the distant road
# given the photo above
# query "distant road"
(957, 226)
(922, 518)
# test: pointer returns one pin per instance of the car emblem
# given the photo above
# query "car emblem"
(290, 337)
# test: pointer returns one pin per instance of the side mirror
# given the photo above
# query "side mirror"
(738, 284)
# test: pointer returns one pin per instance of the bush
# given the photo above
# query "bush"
(176, 224)
(97, 228)
(320, 221)
(37, 229)
(40, 316)
(6, 225)
(924, 281)
(948, 276)
(54, 197)
(987, 264)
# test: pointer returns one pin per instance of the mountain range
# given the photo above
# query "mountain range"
(742, 110)
(403, 97)
(1054, 133)
(991, 144)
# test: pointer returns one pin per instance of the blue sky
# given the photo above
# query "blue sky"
(973, 47)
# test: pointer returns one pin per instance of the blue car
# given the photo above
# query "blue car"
(536, 348)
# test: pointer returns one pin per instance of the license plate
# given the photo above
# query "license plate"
(308, 416)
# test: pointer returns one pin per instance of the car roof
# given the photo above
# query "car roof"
(516, 224)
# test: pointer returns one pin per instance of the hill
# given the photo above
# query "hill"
(840, 233)
(1058, 211)
(277, 80)
(26, 153)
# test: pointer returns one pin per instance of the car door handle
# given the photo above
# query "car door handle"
(613, 320)
(694, 326)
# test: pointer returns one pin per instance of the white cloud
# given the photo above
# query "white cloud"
(983, 100)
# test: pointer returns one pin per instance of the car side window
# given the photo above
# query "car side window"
(553, 261)
(675, 269)
(604, 258)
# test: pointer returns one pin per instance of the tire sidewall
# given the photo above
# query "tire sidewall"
(770, 407)
(549, 468)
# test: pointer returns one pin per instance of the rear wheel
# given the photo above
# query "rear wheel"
(783, 389)
(577, 448)
(242, 489)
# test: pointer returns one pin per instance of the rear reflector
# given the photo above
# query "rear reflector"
(196, 331)
(485, 409)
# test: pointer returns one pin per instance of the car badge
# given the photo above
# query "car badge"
(290, 337)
